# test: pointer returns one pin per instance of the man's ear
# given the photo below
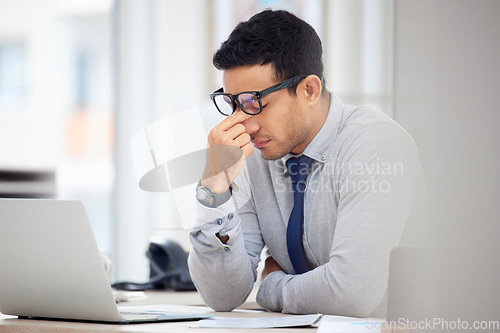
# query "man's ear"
(310, 88)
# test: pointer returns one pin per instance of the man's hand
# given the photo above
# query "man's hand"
(270, 266)
(229, 146)
(231, 132)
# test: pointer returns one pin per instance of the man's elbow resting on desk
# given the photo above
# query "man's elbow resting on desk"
(220, 294)
(220, 302)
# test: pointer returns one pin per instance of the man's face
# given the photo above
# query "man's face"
(281, 127)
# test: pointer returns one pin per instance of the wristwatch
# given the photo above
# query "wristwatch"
(210, 199)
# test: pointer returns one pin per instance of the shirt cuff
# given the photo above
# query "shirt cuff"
(206, 214)
(223, 220)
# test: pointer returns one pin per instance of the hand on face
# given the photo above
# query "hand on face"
(231, 132)
(229, 146)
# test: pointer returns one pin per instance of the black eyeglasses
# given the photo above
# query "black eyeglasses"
(249, 101)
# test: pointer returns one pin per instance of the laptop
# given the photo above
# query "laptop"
(51, 268)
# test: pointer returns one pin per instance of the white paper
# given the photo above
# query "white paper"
(338, 324)
(273, 322)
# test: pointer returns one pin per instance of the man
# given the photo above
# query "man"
(328, 232)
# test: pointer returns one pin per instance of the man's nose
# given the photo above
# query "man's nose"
(251, 125)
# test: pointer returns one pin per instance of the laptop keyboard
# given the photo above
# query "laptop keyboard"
(141, 315)
(138, 315)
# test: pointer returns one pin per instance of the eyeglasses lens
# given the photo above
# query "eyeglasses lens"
(225, 104)
(250, 103)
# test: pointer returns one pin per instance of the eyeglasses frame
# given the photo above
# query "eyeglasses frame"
(288, 83)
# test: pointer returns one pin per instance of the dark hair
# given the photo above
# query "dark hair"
(278, 38)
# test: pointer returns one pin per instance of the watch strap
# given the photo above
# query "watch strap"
(222, 198)
(216, 199)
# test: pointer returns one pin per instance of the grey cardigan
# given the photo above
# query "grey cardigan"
(365, 196)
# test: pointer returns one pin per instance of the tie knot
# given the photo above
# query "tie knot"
(298, 167)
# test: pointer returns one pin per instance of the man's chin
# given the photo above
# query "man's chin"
(270, 154)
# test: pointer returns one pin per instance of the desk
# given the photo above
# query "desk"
(173, 301)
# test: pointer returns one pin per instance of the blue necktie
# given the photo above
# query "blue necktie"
(298, 168)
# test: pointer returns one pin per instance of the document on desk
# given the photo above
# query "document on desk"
(339, 324)
(273, 322)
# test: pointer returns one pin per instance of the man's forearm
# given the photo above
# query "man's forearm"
(319, 291)
(222, 272)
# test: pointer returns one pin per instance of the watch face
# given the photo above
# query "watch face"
(204, 196)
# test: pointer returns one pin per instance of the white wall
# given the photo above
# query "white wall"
(447, 81)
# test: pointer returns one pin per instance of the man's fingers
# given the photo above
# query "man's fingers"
(232, 120)
(231, 132)
(234, 132)
(248, 149)
(226, 132)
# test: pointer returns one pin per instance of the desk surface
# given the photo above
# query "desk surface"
(168, 301)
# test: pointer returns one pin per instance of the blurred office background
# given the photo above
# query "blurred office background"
(79, 78)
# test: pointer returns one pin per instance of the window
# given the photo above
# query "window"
(12, 73)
